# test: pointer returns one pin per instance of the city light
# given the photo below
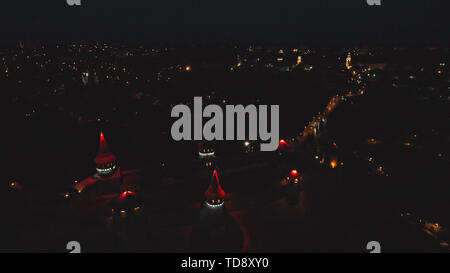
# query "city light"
(145, 189)
(333, 164)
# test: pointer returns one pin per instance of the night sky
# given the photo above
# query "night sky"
(209, 21)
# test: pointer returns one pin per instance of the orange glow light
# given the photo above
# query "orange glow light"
(333, 164)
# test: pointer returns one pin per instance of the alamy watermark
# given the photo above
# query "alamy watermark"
(73, 2)
(213, 129)
(374, 2)
(74, 247)
(374, 247)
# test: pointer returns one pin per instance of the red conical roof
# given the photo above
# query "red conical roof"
(104, 155)
(293, 174)
(125, 201)
(214, 190)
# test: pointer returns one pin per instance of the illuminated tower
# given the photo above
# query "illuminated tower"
(348, 61)
(294, 177)
(215, 229)
(285, 147)
(295, 189)
(126, 204)
(206, 149)
(206, 152)
(126, 221)
(105, 161)
(214, 195)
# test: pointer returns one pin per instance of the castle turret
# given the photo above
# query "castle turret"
(214, 195)
(126, 204)
(206, 152)
(206, 149)
(294, 177)
(105, 161)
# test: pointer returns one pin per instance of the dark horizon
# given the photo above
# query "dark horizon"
(201, 22)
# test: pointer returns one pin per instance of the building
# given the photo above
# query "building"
(206, 149)
(215, 229)
(206, 153)
(214, 195)
(294, 177)
(348, 61)
(109, 178)
(126, 204)
(105, 161)
(294, 187)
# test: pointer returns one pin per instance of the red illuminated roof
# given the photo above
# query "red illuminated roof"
(214, 190)
(126, 201)
(104, 155)
(294, 173)
(126, 193)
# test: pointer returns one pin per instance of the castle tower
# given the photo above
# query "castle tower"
(214, 195)
(206, 152)
(215, 229)
(296, 187)
(294, 177)
(105, 161)
(126, 204)
(206, 149)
